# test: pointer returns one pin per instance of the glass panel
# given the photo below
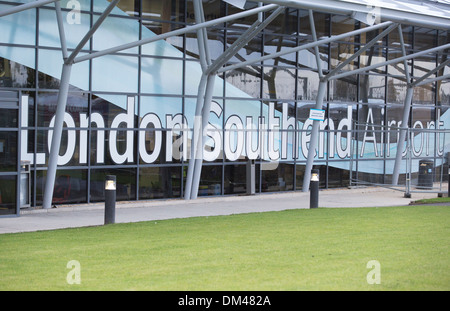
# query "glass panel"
(248, 81)
(130, 7)
(18, 28)
(159, 182)
(307, 85)
(235, 179)
(155, 81)
(212, 8)
(115, 31)
(443, 92)
(75, 25)
(8, 117)
(340, 119)
(239, 116)
(210, 180)
(372, 88)
(279, 83)
(370, 132)
(114, 73)
(15, 67)
(286, 23)
(274, 44)
(50, 66)
(425, 93)
(307, 57)
(372, 56)
(279, 179)
(155, 12)
(169, 143)
(423, 118)
(8, 151)
(215, 43)
(396, 90)
(394, 42)
(424, 38)
(8, 194)
(299, 175)
(125, 181)
(164, 10)
(394, 114)
(338, 176)
(154, 149)
(13, 74)
(70, 186)
(344, 89)
(77, 103)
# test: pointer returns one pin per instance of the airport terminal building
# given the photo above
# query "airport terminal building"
(183, 98)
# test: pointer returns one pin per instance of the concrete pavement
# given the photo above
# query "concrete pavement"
(82, 215)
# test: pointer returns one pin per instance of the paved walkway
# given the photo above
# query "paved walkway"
(82, 215)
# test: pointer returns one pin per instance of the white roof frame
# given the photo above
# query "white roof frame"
(417, 13)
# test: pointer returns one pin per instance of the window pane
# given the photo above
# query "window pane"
(18, 28)
(279, 179)
(159, 182)
(8, 151)
(8, 192)
(13, 74)
(125, 183)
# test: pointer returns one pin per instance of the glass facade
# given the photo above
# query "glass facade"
(127, 113)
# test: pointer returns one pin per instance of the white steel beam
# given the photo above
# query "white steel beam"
(392, 61)
(178, 32)
(402, 14)
(306, 46)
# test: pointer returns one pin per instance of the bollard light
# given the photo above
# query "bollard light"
(314, 189)
(110, 199)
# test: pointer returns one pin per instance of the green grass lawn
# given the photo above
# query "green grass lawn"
(319, 249)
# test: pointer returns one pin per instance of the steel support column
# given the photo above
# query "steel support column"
(406, 112)
(198, 161)
(57, 133)
(62, 101)
(319, 104)
(402, 135)
(195, 137)
(313, 142)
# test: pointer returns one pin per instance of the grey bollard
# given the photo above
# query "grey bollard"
(314, 189)
(110, 199)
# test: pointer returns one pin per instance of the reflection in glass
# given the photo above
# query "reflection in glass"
(278, 179)
(70, 186)
(279, 83)
(13, 74)
(8, 151)
(210, 180)
(159, 182)
(8, 195)
(125, 181)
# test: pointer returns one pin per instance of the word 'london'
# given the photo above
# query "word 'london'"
(268, 141)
